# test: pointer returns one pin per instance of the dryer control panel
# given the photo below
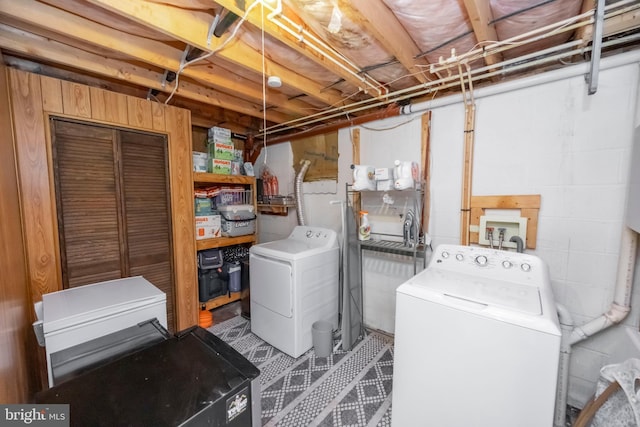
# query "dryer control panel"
(314, 236)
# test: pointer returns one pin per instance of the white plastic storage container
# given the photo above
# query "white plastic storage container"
(237, 220)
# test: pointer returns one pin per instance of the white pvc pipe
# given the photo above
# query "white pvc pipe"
(566, 325)
(428, 88)
(621, 304)
(619, 309)
(539, 79)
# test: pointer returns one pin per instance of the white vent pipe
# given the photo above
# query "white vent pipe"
(622, 297)
(298, 189)
(619, 309)
(564, 73)
(562, 389)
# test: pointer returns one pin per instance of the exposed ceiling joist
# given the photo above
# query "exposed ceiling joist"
(132, 44)
(142, 49)
(381, 22)
(481, 17)
(193, 29)
(17, 41)
(331, 60)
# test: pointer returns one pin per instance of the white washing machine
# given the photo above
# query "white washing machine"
(477, 342)
(294, 282)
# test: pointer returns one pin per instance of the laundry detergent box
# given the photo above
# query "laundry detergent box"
(222, 167)
(208, 227)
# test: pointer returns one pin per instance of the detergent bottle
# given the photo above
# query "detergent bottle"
(364, 232)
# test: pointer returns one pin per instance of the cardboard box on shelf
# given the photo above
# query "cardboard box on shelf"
(200, 161)
(208, 227)
(218, 150)
(222, 167)
(219, 133)
(383, 174)
(203, 206)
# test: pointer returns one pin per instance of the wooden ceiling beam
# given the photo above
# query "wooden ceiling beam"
(17, 41)
(192, 28)
(142, 49)
(480, 15)
(619, 23)
(386, 28)
(301, 47)
(203, 115)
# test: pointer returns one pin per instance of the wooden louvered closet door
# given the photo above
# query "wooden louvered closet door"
(112, 198)
(147, 210)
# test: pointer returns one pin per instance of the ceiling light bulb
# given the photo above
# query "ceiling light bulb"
(274, 81)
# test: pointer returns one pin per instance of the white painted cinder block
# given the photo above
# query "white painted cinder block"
(554, 140)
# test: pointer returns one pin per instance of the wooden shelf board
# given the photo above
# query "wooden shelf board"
(269, 209)
(222, 300)
(224, 241)
(212, 178)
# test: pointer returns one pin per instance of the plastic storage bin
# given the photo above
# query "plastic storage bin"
(237, 220)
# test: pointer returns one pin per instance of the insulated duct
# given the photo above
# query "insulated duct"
(298, 189)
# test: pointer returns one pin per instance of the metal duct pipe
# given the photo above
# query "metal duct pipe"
(298, 189)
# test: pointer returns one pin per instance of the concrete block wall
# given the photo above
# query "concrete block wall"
(550, 139)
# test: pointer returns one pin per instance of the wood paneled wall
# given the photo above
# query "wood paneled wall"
(17, 349)
(34, 99)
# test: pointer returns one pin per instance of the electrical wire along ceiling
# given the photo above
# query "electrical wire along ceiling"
(283, 68)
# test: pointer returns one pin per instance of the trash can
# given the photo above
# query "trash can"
(322, 337)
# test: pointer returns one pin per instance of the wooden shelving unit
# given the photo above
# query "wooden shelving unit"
(203, 179)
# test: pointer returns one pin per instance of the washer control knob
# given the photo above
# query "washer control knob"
(459, 257)
(309, 234)
(525, 267)
(481, 260)
(318, 234)
(445, 254)
(507, 264)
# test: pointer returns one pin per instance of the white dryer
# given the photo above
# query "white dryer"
(294, 282)
(477, 342)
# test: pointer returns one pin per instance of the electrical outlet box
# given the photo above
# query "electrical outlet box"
(513, 225)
